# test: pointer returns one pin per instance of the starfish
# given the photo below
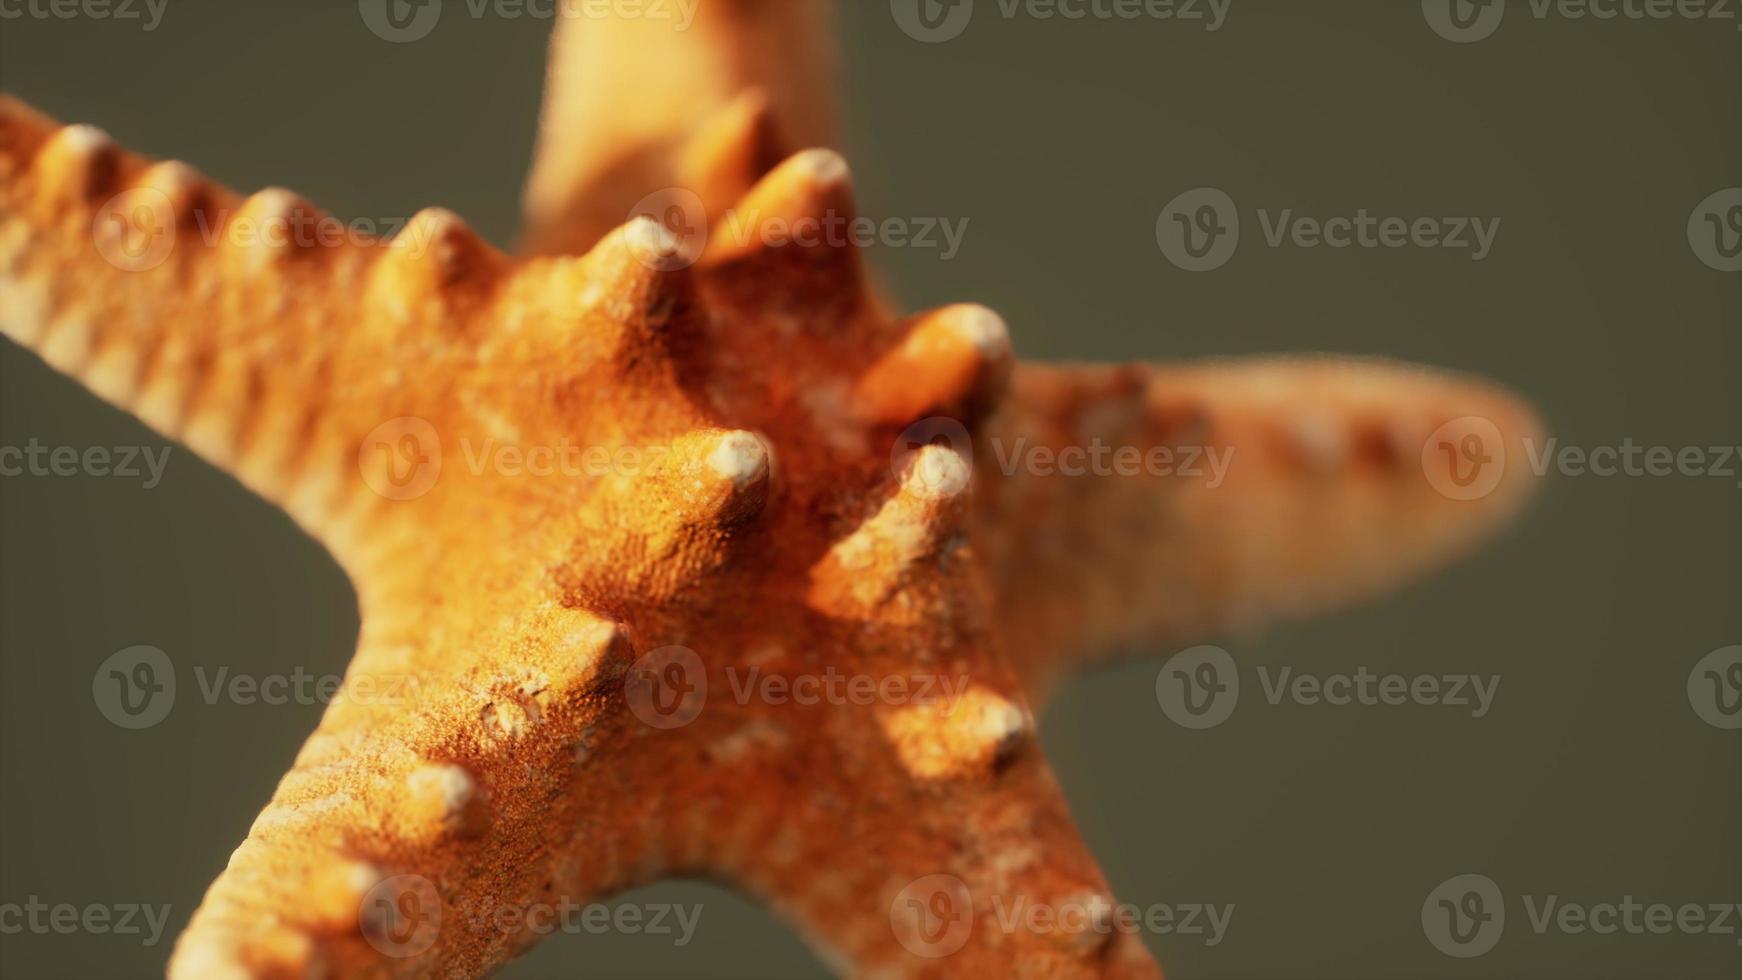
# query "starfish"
(772, 477)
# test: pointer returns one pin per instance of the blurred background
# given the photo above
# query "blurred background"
(1596, 774)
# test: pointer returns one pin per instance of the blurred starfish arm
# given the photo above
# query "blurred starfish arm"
(635, 105)
(1162, 506)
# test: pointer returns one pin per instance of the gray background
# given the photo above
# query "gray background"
(1060, 141)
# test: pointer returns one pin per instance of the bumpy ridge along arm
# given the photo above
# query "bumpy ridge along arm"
(919, 851)
(928, 864)
(626, 97)
(479, 769)
(253, 329)
(1292, 486)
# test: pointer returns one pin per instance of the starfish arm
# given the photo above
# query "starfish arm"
(258, 331)
(1175, 504)
(479, 774)
(946, 851)
(449, 803)
(637, 104)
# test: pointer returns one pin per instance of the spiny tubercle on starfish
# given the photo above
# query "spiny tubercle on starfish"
(764, 524)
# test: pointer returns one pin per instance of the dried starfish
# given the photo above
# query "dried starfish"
(762, 525)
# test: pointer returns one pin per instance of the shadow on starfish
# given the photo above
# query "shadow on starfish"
(753, 470)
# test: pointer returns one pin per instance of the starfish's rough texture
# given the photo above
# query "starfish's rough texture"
(752, 496)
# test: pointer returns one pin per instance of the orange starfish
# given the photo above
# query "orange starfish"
(612, 506)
